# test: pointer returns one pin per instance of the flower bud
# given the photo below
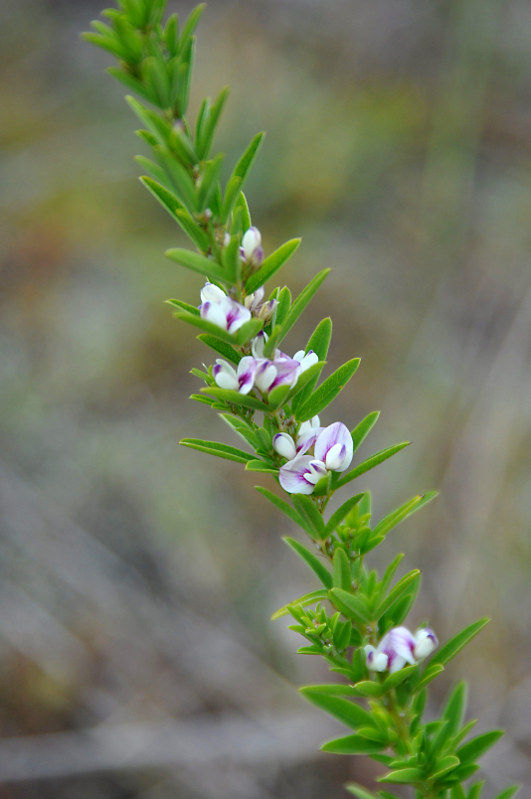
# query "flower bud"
(426, 642)
(284, 445)
(251, 248)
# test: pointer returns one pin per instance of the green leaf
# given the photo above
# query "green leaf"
(178, 175)
(209, 181)
(349, 605)
(371, 462)
(190, 25)
(283, 506)
(444, 766)
(342, 575)
(508, 793)
(241, 170)
(476, 748)
(403, 776)
(390, 571)
(128, 80)
(398, 677)
(316, 565)
(235, 398)
(248, 331)
(308, 511)
(319, 343)
(360, 791)
(362, 430)
(197, 263)
(298, 306)
(176, 210)
(204, 141)
(232, 191)
(346, 711)
(221, 347)
(352, 745)
(396, 592)
(272, 264)
(456, 644)
(217, 448)
(403, 512)
(454, 709)
(207, 327)
(337, 517)
(430, 673)
(260, 466)
(328, 390)
(307, 599)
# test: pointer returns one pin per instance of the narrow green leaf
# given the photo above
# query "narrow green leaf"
(477, 747)
(430, 673)
(221, 347)
(235, 398)
(346, 711)
(328, 390)
(296, 310)
(260, 466)
(396, 592)
(308, 511)
(342, 576)
(444, 766)
(349, 605)
(403, 776)
(241, 170)
(307, 599)
(352, 745)
(403, 512)
(371, 462)
(338, 516)
(456, 644)
(206, 326)
(398, 677)
(508, 793)
(272, 264)
(191, 24)
(316, 565)
(362, 430)
(390, 571)
(319, 342)
(197, 263)
(283, 506)
(218, 449)
(207, 135)
(132, 83)
(454, 709)
(360, 791)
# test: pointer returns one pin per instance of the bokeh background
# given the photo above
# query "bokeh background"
(137, 658)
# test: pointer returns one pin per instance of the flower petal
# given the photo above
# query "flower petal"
(292, 476)
(284, 445)
(336, 433)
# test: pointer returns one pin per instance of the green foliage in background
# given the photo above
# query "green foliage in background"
(272, 401)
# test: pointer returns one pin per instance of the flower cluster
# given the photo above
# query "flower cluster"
(219, 309)
(398, 647)
(332, 452)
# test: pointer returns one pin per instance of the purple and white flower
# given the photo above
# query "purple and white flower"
(333, 451)
(221, 310)
(240, 379)
(251, 248)
(300, 475)
(282, 371)
(334, 447)
(398, 647)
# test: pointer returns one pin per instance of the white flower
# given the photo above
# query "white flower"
(398, 647)
(334, 447)
(251, 248)
(240, 379)
(300, 475)
(221, 310)
(284, 445)
(306, 359)
(425, 642)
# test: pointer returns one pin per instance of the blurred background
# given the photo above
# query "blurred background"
(137, 658)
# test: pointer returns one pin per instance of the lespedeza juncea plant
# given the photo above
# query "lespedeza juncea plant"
(356, 620)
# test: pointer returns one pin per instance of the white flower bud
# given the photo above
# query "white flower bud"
(284, 445)
(251, 241)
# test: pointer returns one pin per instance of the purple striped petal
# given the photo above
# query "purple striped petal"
(334, 447)
(298, 476)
